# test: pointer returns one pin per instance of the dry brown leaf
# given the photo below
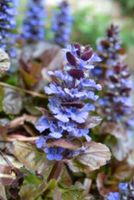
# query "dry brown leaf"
(30, 157)
(49, 53)
(30, 71)
(120, 149)
(20, 120)
(93, 121)
(54, 63)
(123, 171)
(101, 181)
(130, 158)
(12, 102)
(50, 56)
(95, 156)
(64, 144)
(117, 130)
(7, 166)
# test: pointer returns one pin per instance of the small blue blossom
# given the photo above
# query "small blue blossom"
(40, 142)
(126, 192)
(32, 29)
(54, 153)
(71, 99)
(123, 187)
(113, 196)
(61, 24)
(42, 124)
(97, 71)
(7, 25)
(130, 122)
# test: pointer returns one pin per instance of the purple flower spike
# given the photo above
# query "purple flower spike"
(61, 24)
(114, 75)
(110, 51)
(71, 99)
(32, 29)
(117, 105)
(7, 26)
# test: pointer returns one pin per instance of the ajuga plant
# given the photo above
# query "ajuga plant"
(126, 192)
(65, 127)
(115, 104)
(61, 24)
(109, 50)
(7, 26)
(32, 29)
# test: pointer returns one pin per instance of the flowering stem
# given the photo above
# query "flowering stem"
(56, 171)
(36, 94)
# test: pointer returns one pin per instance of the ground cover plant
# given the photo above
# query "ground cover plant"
(66, 112)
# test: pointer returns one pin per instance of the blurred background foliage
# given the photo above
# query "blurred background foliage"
(127, 6)
(90, 23)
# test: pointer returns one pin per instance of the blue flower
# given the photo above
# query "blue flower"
(125, 192)
(40, 142)
(116, 104)
(113, 196)
(73, 129)
(61, 24)
(54, 153)
(81, 58)
(71, 99)
(7, 26)
(42, 124)
(32, 29)
(97, 71)
(55, 131)
(123, 187)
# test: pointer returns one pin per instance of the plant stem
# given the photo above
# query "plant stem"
(21, 138)
(56, 171)
(36, 94)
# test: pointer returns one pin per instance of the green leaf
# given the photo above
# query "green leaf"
(31, 177)
(31, 158)
(72, 193)
(32, 192)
